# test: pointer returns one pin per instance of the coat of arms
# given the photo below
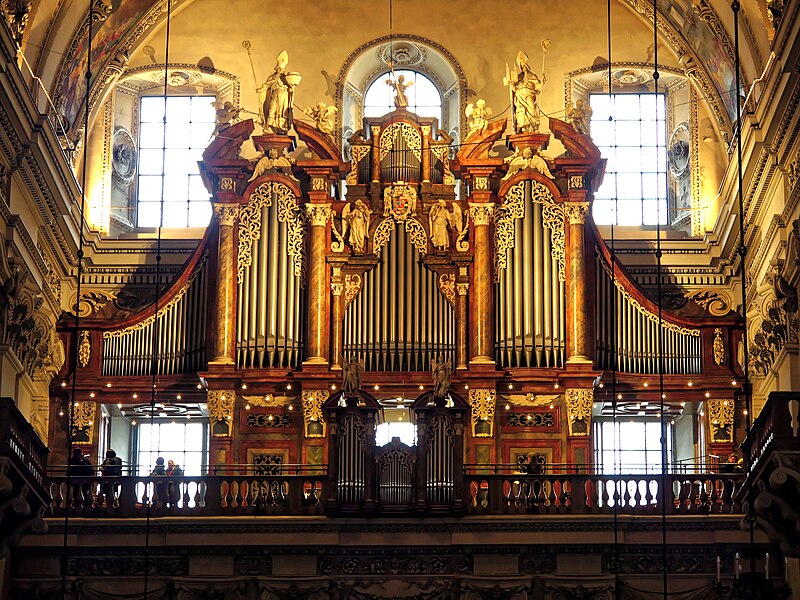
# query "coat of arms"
(400, 201)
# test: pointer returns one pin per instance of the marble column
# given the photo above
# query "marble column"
(482, 347)
(318, 296)
(463, 325)
(426, 153)
(225, 289)
(579, 334)
(337, 315)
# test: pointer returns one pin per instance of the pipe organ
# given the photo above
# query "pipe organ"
(627, 332)
(530, 308)
(176, 334)
(401, 319)
(271, 307)
(304, 294)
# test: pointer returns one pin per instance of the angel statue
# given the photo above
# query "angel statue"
(441, 370)
(225, 113)
(276, 95)
(356, 216)
(580, 115)
(527, 159)
(352, 371)
(399, 86)
(478, 116)
(272, 161)
(439, 218)
(524, 86)
(323, 117)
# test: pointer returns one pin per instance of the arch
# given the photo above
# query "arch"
(407, 52)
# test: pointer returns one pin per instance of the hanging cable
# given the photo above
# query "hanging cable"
(748, 409)
(155, 493)
(69, 494)
(662, 405)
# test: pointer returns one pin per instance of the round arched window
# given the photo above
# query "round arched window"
(424, 98)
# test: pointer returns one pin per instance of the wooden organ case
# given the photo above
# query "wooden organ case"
(412, 251)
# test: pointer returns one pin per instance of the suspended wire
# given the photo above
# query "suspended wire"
(751, 517)
(662, 411)
(69, 493)
(155, 339)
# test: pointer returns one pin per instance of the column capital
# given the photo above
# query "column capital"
(226, 213)
(579, 409)
(220, 410)
(481, 212)
(318, 214)
(576, 212)
(482, 405)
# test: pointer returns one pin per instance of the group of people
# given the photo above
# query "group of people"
(171, 470)
(80, 466)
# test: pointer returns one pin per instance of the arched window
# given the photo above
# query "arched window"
(424, 98)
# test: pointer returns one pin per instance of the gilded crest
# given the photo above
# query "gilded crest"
(400, 201)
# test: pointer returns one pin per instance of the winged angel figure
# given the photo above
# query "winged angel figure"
(439, 219)
(355, 217)
(478, 116)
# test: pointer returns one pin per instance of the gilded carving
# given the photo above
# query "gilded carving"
(642, 310)
(481, 212)
(719, 347)
(337, 289)
(718, 304)
(226, 184)
(580, 115)
(288, 212)
(576, 212)
(720, 419)
(410, 135)
(226, 213)
(462, 289)
(84, 349)
(528, 158)
(318, 214)
(83, 421)
(356, 217)
(524, 87)
(400, 201)
(312, 401)
(352, 285)
(482, 405)
(481, 184)
(575, 182)
(318, 184)
(447, 285)
(440, 219)
(220, 411)
(357, 154)
(513, 207)
(415, 231)
(273, 162)
(579, 409)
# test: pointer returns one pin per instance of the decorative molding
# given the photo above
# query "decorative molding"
(720, 420)
(83, 421)
(482, 405)
(579, 409)
(481, 213)
(318, 214)
(719, 347)
(447, 285)
(352, 285)
(220, 410)
(576, 212)
(84, 349)
(226, 213)
(481, 184)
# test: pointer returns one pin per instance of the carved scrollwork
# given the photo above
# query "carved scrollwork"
(358, 153)
(250, 225)
(312, 401)
(579, 409)
(576, 212)
(447, 285)
(220, 411)
(416, 235)
(719, 347)
(410, 135)
(226, 213)
(482, 405)
(720, 420)
(717, 303)
(441, 152)
(84, 349)
(352, 285)
(318, 214)
(83, 421)
(553, 219)
(289, 212)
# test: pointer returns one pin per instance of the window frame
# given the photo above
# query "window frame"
(376, 80)
(143, 470)
(618, 467)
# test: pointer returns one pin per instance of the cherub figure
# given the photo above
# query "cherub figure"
(399, 86)
(352, 372)
(273, 162)
(323, 116)
(527, 159)
(356, 216)
(225, 113)
(439, 218)
(441, 371)
(579, 115)
(478, 116)
(276, 95)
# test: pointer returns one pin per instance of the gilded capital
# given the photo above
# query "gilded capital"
(576, 212)
(318, 214)
(481, 183)
(318, 184)
(220, 411)
(336, 289)
(462, 289)
(226, 213)
(481, 212)
(579, 410)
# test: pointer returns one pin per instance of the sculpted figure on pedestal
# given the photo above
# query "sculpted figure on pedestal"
(441, 370)
(524, 86)
(439, 218)
(400, 86)
(276, 95)
(527, 159)
(273, 162)
(580, 115)
(352, 371)
(356, 216)
(225, 112)
(323, 116)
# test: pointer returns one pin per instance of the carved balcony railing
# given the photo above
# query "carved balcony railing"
(306, 495)
(701, 494)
